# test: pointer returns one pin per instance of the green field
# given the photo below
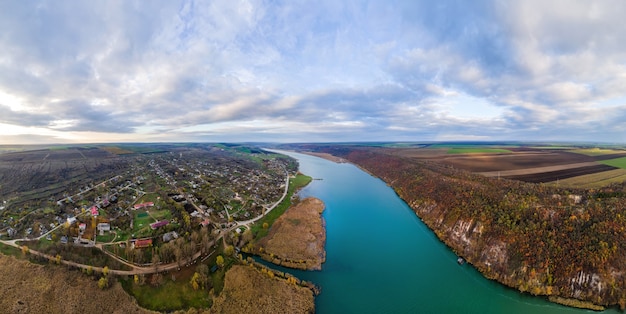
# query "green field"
(477, 150)
(618, 162)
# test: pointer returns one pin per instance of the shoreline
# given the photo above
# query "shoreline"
(326, 156)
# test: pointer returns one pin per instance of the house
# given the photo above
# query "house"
(170, 236)
(205, 223)
(64, 239)
(159, 224)
(94, 211)
(142, 205)
(82, 227)
(143, 243)
(71, 220)
(103, 226)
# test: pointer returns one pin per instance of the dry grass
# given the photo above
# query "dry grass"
(247, 290)
(595, 180)
(597, 151)
(30, 288)
(297, 238)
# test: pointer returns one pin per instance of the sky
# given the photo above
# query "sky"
(312, 71)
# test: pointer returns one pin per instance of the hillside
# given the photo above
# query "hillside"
(536, 238)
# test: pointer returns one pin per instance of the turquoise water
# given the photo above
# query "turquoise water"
(382, 259)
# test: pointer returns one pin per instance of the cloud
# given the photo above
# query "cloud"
(324, 70)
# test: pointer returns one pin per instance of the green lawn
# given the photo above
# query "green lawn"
(162, 214)
(618, 162)
(474, 150)
(107, 237)
(9, 250)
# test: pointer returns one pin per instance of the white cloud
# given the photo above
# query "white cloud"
(326, 70)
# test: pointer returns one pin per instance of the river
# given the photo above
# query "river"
(382, 259)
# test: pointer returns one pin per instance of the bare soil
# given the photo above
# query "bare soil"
(31, 288)
(562, 174)
(297, 238)
(247, 290)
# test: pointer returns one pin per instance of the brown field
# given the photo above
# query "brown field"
(297, 237)
(31, 288)
(247, 290)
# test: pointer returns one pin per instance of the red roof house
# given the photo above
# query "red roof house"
(142, 205)
(142, 243)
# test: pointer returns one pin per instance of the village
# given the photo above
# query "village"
(150, 201)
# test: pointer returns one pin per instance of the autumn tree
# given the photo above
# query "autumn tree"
(103, 282)
(229, 250)
(220, 261)
(195, 281)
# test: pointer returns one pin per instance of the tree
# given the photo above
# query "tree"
(220, 261)
(105, 271)
(103, 282)
(195, 281)
(157, 279)
(156, 260)
(229, 250)
(24, 249)
(58, 259)
(265, 225)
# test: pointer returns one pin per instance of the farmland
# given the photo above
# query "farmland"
(617, 162)
(539, 164)
(545, 163)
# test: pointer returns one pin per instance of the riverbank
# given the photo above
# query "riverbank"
(297, 238)
(326, 156)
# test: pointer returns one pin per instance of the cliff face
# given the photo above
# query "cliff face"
(527, 236)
